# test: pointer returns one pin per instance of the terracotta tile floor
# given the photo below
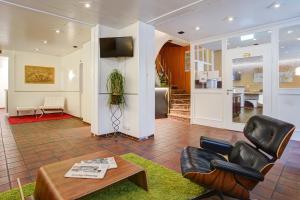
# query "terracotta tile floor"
(24, 148)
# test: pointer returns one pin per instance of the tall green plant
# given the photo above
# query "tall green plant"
(115, 87)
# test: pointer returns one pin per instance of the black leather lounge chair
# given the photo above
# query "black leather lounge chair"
(246, 165)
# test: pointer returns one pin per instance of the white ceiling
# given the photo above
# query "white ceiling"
(24, 29)
(209, 15)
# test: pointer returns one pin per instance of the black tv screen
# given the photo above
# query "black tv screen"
(116, 47)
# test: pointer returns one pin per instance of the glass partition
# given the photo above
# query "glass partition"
(208, 65)
(289, 57)
(249, 39)
(247, 98)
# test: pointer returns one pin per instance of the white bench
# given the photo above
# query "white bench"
(53, 104)
(25, 109)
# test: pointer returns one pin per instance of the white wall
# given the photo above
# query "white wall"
(138, 116)
(67, 81)
(86, 88)
(3, 80)
(21, 94)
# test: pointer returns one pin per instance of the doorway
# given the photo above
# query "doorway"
(248, 85)
(3, 83)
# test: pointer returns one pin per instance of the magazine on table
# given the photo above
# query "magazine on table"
(103, 161)
(87, 170)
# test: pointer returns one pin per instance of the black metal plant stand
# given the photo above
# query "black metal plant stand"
(116, 114)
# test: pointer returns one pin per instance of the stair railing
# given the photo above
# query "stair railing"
(169, 92)
(162, 69)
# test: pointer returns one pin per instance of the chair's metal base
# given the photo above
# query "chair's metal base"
(210, 193)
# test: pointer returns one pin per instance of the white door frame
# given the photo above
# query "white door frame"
(261, 50)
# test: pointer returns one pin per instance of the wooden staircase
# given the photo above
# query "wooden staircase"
(180, 105)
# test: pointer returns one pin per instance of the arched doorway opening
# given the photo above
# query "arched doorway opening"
(172, 93)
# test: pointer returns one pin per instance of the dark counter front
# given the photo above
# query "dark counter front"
(161, 103)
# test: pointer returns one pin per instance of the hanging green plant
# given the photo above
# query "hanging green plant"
(115, 87)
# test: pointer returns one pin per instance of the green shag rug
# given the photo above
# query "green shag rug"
(163, 184)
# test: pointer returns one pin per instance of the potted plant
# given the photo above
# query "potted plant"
(115, 88)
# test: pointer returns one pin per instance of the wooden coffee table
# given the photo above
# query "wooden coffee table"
(51, 183)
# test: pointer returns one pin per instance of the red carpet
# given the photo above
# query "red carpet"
(32, 118)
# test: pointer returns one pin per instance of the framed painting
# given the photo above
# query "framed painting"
(39, 75)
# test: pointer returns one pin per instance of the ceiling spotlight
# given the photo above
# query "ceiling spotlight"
(254, 39)
(87, 5)
(230, 18)
(290, 31)
(45, 41)
(276, 5)
(57, 31)
(180, 32)
(197, 28)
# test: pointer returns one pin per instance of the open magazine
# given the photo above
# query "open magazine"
(87, 170)
(103, 161)
(94, 169)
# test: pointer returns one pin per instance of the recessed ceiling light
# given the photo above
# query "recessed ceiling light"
(87, 5)
(57, 31)
(45, 41)
(276, 5)
(282, 47)
(254, 39)
(36, 49)
(197, 28)
(290, 31)
(229, 18)
(298, 38)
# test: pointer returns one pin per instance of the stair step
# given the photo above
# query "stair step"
(180, 109)
(179, 117)
(180, 112)
(178, 91)
(180, 101)
(180, 106)
(180, 96)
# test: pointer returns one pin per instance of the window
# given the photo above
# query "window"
(289, 57)
(208, 65)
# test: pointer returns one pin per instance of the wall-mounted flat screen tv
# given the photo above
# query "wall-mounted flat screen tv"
(116, 47)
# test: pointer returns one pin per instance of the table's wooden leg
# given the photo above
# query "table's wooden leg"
(140, 179)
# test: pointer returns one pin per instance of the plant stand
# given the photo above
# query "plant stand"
(116, 114)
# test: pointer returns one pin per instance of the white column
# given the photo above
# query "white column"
(146, 80)
(95, 57)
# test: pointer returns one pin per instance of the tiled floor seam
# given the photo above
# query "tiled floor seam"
(277, 183)
(5, 156)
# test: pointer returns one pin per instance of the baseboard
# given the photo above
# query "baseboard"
(296, 135)
(127, 136)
